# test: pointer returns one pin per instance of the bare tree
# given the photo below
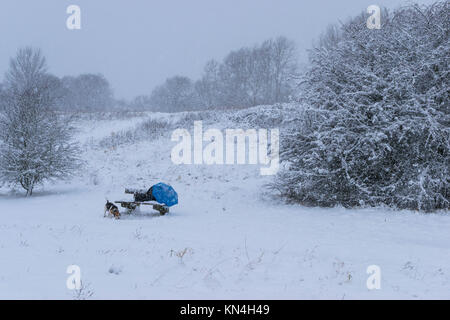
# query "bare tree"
(35, 143)
(263, 74)
(208, 87)
(234, 75)
(176, 94)
(284, 60)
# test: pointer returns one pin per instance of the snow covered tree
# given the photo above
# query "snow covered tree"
(376, 111)
(35, 143)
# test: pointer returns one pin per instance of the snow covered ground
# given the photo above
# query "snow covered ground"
(226, 239)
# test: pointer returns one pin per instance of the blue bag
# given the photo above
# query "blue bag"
(164, 194)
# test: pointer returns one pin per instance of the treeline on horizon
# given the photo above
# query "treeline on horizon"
(259, 75)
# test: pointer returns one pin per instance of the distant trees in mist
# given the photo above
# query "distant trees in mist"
(176, 94)
(250, 76)
(85, 92)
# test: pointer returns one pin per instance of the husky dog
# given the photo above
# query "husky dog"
(112, 210)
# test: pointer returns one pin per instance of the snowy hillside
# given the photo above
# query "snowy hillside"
(226, 239)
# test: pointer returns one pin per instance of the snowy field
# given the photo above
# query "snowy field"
(225, 240)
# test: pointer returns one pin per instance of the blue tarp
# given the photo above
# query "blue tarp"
(165, 194)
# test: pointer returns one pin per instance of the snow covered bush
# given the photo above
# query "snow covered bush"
(273, 116)
(376, 118)
(35, 143)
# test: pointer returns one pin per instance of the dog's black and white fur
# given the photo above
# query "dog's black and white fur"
(112, 210)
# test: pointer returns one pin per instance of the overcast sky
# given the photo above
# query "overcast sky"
(137, 44)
